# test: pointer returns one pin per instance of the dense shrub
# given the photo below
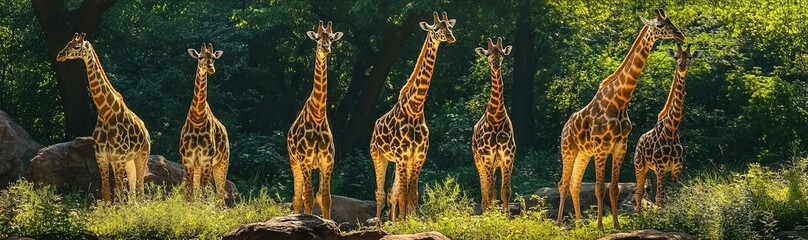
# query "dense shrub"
(39, 212)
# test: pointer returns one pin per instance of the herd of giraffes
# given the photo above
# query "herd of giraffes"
(401, 136)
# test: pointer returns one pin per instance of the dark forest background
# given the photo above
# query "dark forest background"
(747, 99)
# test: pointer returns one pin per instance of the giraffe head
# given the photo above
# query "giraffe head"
(206, 57)
(441, 29)
(495, 53)
(77, 48)
(683, 56)
(663, 28)
(324, 37)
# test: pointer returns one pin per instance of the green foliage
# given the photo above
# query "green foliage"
(747, 205)
(38, 212)
(446, 209)
(168, 215)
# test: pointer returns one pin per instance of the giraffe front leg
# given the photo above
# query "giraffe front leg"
(103, 169)
(324, 192)
(600, 185)
(380, 168)
(507, 172)
(641, 172)
(204, 179)
(131, 177)
(119, 174)
(220, 179)
(188, 180)
(297, 177)
(308, 191)
(660, 179)
(412, 196)
(141, 164)
(401, 190)
(483, 173)
(614, 185)
(568, 161)
(578, 169)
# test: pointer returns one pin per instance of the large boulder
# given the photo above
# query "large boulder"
(417, 236)
(16, 149)
(71, 166)
(649, 234)
(349, 213)
(292, 227)
(550, 196)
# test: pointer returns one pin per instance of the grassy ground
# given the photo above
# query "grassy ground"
(750, 205)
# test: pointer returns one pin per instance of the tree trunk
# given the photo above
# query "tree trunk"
(358, 124)
(524, 69)
(58, 25)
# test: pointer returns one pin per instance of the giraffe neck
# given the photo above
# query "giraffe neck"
(413, 94)
(199, 104)
(316, 103)
(671, 114)
(495, 112)
(623, 81)
(107, 100)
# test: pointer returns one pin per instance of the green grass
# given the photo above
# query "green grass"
(752, 204)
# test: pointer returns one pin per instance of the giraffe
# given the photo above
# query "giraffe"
(401, 135)
(309, 142)
(204, 146)
(602, 126)
(492, 142)
(121, 139)
(659, 149)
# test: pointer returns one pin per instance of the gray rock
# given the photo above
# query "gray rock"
(71, 166)
(16, 149)
(417, 236)
(292, 227)
(649, 234)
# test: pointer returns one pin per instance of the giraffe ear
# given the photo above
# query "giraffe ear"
(193, 53)
(217, 54)
(452, 22)
(312, 35)
(671, 53)
(425, 26)
(336, 36)
(480, 51)
(507, 50)
(696, 54)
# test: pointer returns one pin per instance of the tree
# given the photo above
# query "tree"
(58, 24)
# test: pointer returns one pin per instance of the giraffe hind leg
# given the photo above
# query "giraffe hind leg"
(141, 165)
(641, 172)
(568, 161)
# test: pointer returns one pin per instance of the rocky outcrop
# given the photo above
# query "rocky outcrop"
(71, 166)
(349, 213)
(305, 226)
(292, 227)
(417, 236)
(550, 195)
(16, 149)
(649, 234)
